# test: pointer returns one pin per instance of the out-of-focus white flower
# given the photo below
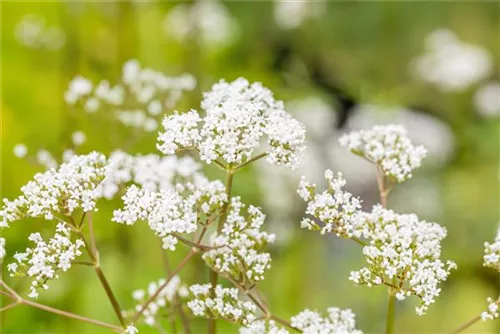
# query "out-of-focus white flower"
(46, 259)
(167, 297)
(263, 326)
(451, 64)
(73, 185)
(225, 304)
(337, 321)
(46, 159)
(131, 329)
(317, 116)
(20, 151)
(32, 32)
(210, 20)
(291, 14)
(487, 99)
(238, 115)
(78, 138)
(389, 147)
(492, 253)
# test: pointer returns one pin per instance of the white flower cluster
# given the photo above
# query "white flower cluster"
(403, 252)
(262, 326)
(225, 305)
(452, 64)
(387, 146)
(33, 32)
(336, 208)
(211, 21)
(131, 329)
(167, 297)
(46, 259)
(493, 311)
(171, 210)
(150, 171)
(137, 100)
(292, 14)
(238, 248)
(238, 115)
(73, 185)
(492, 253)
(337, 322)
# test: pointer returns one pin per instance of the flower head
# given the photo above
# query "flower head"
(238, 115)
(491, 256)
(73, 185)
(44, 261)
(389, 147)
(225, 305)
(337, 322)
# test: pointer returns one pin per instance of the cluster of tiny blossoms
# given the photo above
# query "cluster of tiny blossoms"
(168, 297)
(403, 252)
(389, 147)
(337, 321)
(137, 101)
(492, 259)
(224, 305)
(263, 326)
(150, 171)
(238, 115)
(171, 210)
(336, 208)
(71, 186)
(46, 259)
(237, 249)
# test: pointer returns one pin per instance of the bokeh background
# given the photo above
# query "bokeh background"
(432, 66)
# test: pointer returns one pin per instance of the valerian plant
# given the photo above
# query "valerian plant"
(239, 123)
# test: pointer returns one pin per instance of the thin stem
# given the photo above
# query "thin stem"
(470, 322)
(361, 242)
(160, 289)
(191, 243)
(110, 294)
(283, 322)
(390, 313)
(70, 315)
(94, 255)
(257, 157)
(383, 190)
(83, 263)
(11, 305)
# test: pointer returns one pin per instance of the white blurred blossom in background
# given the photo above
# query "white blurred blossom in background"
(450, 63)
(292, 14)
(487, 99)
(33, 32)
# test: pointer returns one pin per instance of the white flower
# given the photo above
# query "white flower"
(32, 32)
(491, 256)
(404, 252)
(46, 159)
(72, 186)
(487, 99)
(389, 147)
(167, 297)
(131, 329)
(170, 210)
(263, 327)
(238, 115)
(20, 151)
(225, 305)
(46, 259)
(336, 208)
(493, 310)
(78, 138)
(292, 14)
(238, 247)
(451, 64)
(337, 322)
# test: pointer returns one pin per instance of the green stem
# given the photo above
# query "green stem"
(390, 313)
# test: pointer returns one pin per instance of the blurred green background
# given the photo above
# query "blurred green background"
(346, 54)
